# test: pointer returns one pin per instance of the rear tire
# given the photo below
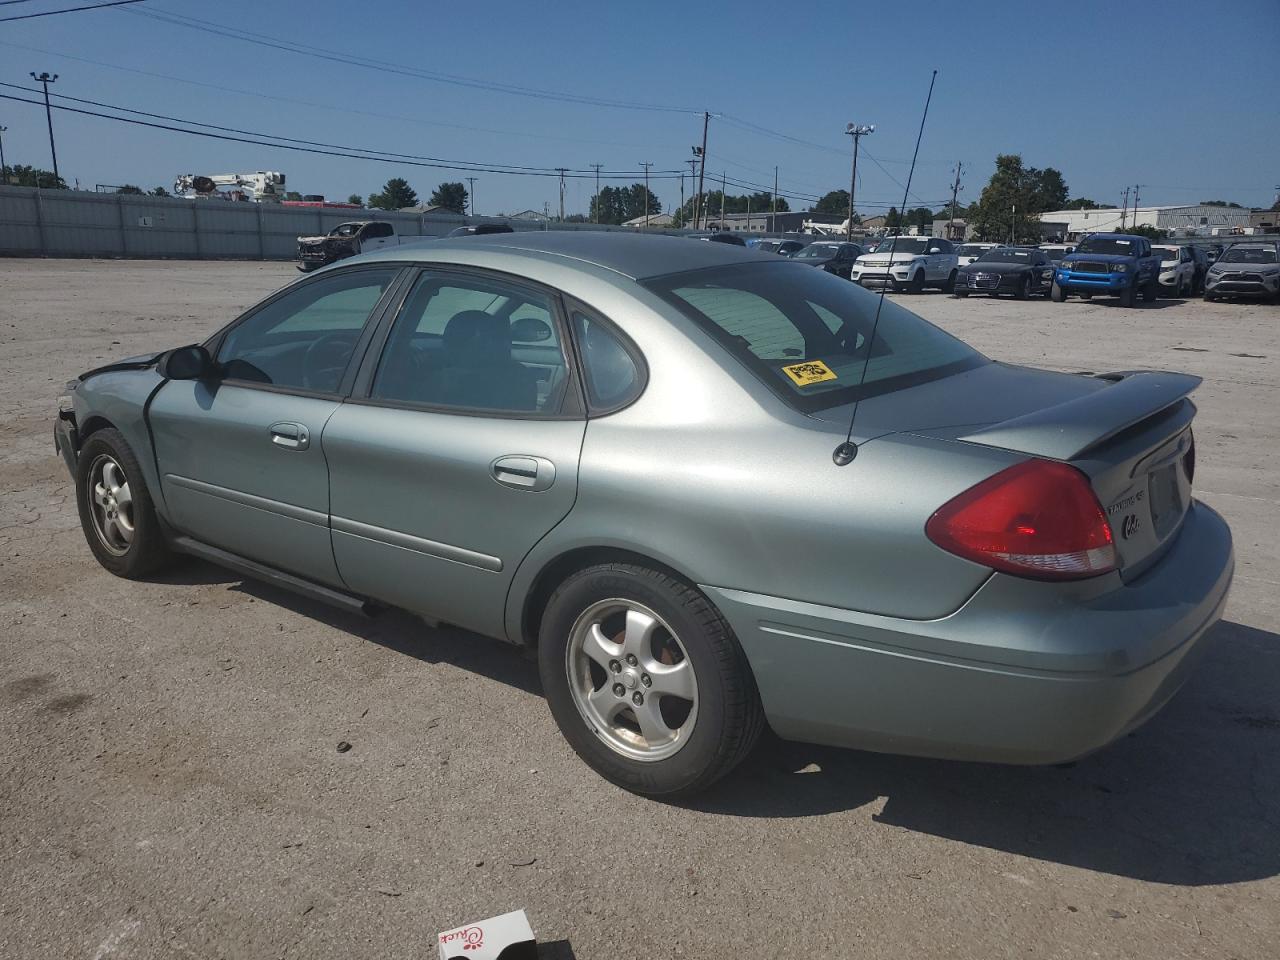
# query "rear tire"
(1057, 294)
(950, 285)
(667, 744)
(116, 512)
(1151, 291)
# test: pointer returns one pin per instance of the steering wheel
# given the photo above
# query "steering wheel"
(326, 359)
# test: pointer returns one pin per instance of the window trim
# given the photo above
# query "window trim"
(572, 402)
(572, 305)
(389, 296)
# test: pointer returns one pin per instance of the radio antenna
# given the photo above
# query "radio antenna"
(845, 453)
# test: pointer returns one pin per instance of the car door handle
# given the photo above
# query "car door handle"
(290, 436)
(533, 474)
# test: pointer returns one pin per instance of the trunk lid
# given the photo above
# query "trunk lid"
(1129, 432)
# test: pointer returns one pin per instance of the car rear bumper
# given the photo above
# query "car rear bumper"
(1022, 673)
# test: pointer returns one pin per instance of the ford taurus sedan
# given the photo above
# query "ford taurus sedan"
(713, 488)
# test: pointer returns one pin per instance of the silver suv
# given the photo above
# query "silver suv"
(1245, 269)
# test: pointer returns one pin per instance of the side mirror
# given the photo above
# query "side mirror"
(186, 363)
(935, 249)
(530, 330)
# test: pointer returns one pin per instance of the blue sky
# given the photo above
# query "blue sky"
(1179, 96)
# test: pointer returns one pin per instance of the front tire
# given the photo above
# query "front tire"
(1129, 295)
(1151, 291)
(1057, 294)
(917, 282)
(1024, 290)
(116, 512)
(688, 711)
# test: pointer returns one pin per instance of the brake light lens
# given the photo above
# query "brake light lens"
(1038, 519)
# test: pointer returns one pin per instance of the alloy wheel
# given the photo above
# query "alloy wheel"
(111, 505)
(632, 680)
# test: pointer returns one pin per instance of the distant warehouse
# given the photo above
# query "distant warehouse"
(1191, 221)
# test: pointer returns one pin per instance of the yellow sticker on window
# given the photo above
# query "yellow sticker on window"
(809, 372)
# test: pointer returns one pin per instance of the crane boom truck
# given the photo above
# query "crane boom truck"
(264, 186)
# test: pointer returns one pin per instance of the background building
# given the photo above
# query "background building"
(1194, 220)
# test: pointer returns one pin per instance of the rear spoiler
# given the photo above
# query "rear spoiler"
(1066, 431)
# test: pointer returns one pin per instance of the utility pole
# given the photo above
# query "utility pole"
(693, 178)
(45, 79)
(646, 165)
(682, 199)
(773, 207)
(1013, 224)
(724, 185)
(596, 167)
(1135, 205)
(1124, 210)
(561, 171)
(4, 171)
(701, 153)
(857, 131)
(955, 192)
(471, 197)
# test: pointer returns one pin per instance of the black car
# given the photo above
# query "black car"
(1020, 271)
(831, 256)
(1201, 258)
(479, 229)
(720, 236)
(785, 248)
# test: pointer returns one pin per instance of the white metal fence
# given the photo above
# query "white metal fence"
(77, 223)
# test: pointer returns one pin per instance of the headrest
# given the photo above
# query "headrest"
(478, 335)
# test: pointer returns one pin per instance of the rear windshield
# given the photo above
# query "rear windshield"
(1106, 245)
(1167, 254)
(1249, 255)
(805, 332)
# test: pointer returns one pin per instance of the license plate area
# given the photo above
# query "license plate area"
(1165, 496)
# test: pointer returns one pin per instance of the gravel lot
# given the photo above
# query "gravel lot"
(170, 784)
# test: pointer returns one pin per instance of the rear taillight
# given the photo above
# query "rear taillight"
(1038, 519)
(1189, 460)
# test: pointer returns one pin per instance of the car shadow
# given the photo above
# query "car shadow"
(1114, 303)
(1192, 798)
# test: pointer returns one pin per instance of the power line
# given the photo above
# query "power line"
(458, 164)
(388, 66)
(53, 13)
(550, 172)
(401, 118)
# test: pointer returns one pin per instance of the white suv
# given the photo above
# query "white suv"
(908, 263)
(1177, 270)
(969, 252)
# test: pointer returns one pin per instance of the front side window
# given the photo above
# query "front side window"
(806, 332)
(305, 338)
(474, 344)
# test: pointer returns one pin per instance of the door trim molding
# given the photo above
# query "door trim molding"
(250, 500)
(431, 548)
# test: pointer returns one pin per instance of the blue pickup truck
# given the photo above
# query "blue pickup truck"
(1112, 264)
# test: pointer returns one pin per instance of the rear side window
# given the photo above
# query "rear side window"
(612, 372)
(806, 332)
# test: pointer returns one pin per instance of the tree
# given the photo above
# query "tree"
(835, 202)
(1081, 203)
(1148, 231)
(1220, 203)
(396, 193)
(451, 196)
(356, 199)
(1014, 198)
(129, 188)
(893, 220)
(920, 218)
(24, 176)
(292, 195)
(620, 204)
(159, 192)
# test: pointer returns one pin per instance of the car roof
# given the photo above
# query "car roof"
(635, 255)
